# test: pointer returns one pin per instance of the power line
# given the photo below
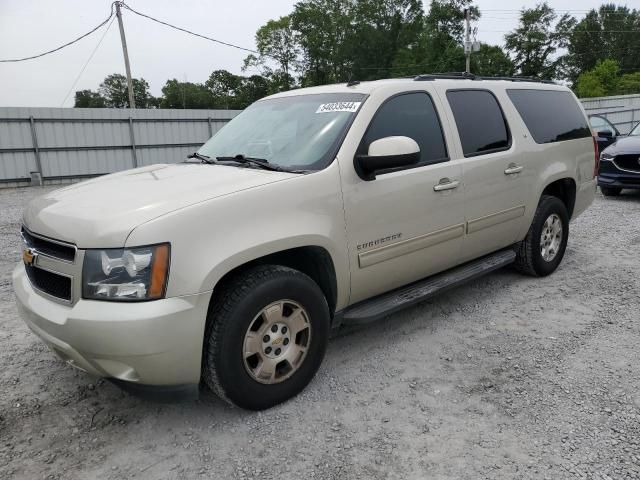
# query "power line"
(124, 5)
(61, 46)
(87, 62)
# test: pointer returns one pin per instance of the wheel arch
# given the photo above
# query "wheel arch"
(564, 189)
(313, 260)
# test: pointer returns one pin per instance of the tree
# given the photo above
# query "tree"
(605, 79)
(325, 36)
(629, 84)
(177, 94)
(223, 86)
(438, 47)
(115, 90)
(251, 89)
(536, 40)
(492, 61)
(277, 43)
(611, 32)
(89, 99)
(600, 81)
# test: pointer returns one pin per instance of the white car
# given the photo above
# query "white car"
(312, 209)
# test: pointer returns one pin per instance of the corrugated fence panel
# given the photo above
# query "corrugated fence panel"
(84, 163)
(149, 156)
(17, 165)
(75, 143)
(621, 110)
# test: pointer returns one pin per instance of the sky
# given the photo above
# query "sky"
(156, 52)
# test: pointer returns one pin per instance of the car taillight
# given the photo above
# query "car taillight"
(596, 165)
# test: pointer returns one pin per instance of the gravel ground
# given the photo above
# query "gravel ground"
(507, 377)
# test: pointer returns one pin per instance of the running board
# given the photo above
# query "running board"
(387, 303)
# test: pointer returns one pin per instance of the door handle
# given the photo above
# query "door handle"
(512, 169)
(446, 184)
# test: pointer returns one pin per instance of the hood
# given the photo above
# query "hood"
(624, 146)
(100, 213)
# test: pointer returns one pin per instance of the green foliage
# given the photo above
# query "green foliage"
(492, 61)
(609, 32)
(278, 44)
(605, 79)
(177, 94)
(601, 81)
(332, 41)
(115, 91)
(536, 40)
(629, 83)
(89, 99)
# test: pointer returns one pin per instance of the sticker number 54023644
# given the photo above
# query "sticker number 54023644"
(338, 107)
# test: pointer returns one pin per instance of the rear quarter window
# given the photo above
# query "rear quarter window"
(550, 115)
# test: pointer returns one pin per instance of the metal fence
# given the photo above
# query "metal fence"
(63, 144)
(622, 110)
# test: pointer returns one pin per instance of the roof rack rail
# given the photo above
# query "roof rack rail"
(471, 76)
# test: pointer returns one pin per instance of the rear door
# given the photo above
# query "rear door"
(494, 176)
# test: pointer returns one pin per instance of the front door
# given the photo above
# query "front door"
(409, 223)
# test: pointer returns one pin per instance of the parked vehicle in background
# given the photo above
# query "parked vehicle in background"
(620, 164)
(606, 133)
(312, 209)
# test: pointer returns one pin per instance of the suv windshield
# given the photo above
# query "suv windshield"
(636, 131)
(298, 132)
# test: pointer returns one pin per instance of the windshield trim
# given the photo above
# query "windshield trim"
(329, 157)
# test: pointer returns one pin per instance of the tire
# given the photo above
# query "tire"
(529, 254)
(236, 324)
(611, 191)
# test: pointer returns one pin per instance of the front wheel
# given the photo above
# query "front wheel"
(266, 337)
(540, 253)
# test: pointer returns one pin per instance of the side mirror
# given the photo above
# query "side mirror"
(605, 133)
(387, 153)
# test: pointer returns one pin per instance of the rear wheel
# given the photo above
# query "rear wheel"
(611, 191)
(540, 253)
(267, 333)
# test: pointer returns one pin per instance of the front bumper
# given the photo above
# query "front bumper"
(622, 181)
(612, 176)
(156, 343)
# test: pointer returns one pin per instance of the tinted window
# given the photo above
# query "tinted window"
(481, 124)
(550, 115)
(411, 115)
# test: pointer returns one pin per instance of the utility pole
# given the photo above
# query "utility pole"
(467, 41)
(132, 101)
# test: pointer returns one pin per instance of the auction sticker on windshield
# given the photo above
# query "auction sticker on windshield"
(338, 107)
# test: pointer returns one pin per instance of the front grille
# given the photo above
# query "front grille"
(50, 283)
(49, 248)
(628, 162)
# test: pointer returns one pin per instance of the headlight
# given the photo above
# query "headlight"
(126, 274)
(606, 156)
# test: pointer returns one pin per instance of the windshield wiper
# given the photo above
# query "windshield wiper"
(201, 157)
(257, 162)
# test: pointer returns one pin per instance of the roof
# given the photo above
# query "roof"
(449, 81)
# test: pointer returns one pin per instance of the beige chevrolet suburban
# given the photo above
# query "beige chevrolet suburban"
(311, 210)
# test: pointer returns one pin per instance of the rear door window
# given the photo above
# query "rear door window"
(480, 121)
(550, 115)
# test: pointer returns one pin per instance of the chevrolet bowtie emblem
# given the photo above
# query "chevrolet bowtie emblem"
(29, 256)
